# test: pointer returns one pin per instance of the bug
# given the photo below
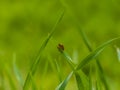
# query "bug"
(60, 47)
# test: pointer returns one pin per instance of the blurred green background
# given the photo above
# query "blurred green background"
(24, 24)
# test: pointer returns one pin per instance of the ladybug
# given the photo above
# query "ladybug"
(60, 47)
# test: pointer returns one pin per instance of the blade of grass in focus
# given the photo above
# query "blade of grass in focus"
(77, 76)
(62, 85)
(88, 44)
(69, 60)
(79, 81)
(86, 60)
(82, 80)
(95, 53)
(37, 60)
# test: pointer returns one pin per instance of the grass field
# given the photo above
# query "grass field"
(59, 45)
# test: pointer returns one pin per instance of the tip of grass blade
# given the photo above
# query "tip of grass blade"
(95, 53)
(37, 60)
(63, 84)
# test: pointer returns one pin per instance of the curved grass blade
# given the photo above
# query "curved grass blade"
(37, 60)
(63, 84)
(88, 44)
(78, 76)
(95, 53)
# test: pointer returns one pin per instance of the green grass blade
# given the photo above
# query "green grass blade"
(34, 87)
(16, 71)
(82, 80)
(63, 84)
(87, 43)
(94, 54)
(85, 39)
(77, 76)
(58, 71)
(79, 81)
(9, 76)
(45, 69)
(118, 53)
(69, 60)
(37, 60)
(102, 77)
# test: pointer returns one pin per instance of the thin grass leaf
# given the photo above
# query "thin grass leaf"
(95, 53)
(58, 71)
(85, 79)
(85, 39)
(16, 71)
(79, 81)
(69, 60)
(77, 76)
(90, 78)
(11, 81)
(118, 53)
(6, 70)
(45, 69)
(62, 85)
(101, 74)
(98, 81)
(88, 44)
(34, 87)
(37, 60)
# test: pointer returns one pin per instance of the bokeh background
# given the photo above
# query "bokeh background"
(24, 24)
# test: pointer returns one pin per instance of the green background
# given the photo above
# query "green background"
(24, 24)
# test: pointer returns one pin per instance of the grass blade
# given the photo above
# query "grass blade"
(77, 75)
(34, 87)
(118, 53)
(69, 60)
(62, 85)
(95, 53)
(37, 60)
(11, 81)
(82, 80)
(16, 71)
(88, 44)
(58, 71)
(79, 81)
